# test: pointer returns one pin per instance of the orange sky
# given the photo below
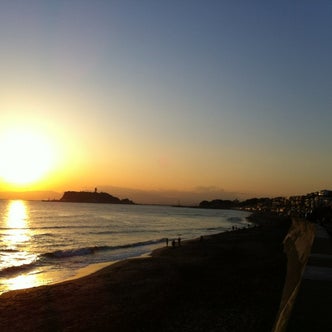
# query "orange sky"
(230, 97)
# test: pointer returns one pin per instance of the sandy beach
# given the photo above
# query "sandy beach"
(227, 282)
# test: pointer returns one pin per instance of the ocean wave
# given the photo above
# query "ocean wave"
(67, 253)
(107, 232)
(9, 250)
(234, 219)
(15, 228)
(73, 252)
(63, 227)
(16, 269)
(41, 235)
(115, 231)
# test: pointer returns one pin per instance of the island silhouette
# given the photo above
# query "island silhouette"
(92, 197)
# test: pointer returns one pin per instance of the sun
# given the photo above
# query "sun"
(25, 156)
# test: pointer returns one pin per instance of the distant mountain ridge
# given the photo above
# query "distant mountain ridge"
(92, 197)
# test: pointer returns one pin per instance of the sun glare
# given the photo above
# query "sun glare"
(16, 222)
(26, 156)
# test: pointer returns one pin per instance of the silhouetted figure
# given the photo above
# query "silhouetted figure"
(173, 243)
(201, 238)
(167, 242)
(179, 241)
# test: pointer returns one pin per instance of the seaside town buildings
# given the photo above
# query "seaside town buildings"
(316, 206)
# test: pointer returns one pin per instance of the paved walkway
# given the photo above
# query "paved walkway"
(313, 307)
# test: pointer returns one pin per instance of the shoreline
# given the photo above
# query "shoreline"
(93, 268)
(28, 280)
(87, 270)
(36, 278)
(220, 282)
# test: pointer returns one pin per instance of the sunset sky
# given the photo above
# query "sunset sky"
(229, 97)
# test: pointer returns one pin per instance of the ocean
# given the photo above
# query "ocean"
(48, 242)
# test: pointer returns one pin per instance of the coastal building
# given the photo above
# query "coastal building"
(301, 205)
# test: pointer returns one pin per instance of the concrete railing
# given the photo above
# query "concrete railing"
(297, 246)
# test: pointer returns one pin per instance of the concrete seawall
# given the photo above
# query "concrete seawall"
(312, 308)
(297, 246)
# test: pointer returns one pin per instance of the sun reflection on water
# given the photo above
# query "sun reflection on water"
(17, 214)
(23, 281)
(15, 252)
(16, 222)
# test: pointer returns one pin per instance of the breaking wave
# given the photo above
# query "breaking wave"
(12, 270)
(93, 250)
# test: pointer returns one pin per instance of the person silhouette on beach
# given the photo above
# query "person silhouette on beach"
(173, 243)
(179, 241)
(167, 242)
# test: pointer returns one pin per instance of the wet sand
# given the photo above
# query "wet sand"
(227, 282)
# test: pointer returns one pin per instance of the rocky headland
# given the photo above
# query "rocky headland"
(92, 197)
